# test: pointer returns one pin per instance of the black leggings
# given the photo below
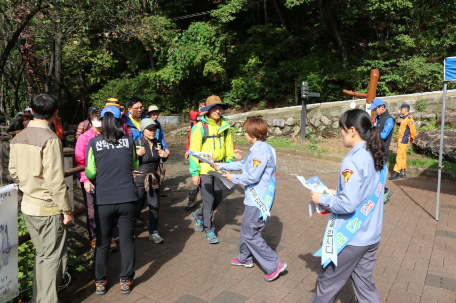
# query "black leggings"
(105, 216)
(152, 197)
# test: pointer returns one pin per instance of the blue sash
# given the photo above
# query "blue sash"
(264, 204)
(342, 237)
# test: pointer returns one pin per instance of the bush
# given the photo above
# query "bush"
(420, 105)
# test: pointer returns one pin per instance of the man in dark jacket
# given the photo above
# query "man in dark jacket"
(385, 124)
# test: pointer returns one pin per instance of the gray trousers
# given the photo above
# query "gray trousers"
(252, 243)
(49, 236)
(211, 193)
(355, 262)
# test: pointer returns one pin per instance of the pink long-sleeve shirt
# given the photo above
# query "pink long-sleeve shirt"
(80, 151)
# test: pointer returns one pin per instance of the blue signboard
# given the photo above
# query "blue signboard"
(449, 73)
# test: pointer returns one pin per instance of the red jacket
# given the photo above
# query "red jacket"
(193, 121)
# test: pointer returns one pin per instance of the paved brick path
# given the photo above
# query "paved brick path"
(416, 261)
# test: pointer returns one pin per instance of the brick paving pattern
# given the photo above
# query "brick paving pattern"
(416, 261)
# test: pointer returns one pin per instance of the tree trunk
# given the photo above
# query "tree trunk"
(58, 63)
(326, 12)
(12, 42)
(85, 94)
(47, 85)
(280, 14)
(265, 13)
(152, 60)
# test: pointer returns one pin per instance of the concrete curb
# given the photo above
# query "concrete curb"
(430, 173)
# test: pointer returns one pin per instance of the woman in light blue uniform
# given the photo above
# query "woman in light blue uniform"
(361, 181)
(259, 178)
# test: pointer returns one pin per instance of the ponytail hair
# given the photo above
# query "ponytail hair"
(111, 128)
(361, 121)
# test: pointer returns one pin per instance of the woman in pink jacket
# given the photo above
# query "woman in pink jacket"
(88, 188)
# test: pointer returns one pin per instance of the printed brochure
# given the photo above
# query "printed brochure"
(315, 184)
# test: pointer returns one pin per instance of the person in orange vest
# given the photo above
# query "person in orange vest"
(406, 135)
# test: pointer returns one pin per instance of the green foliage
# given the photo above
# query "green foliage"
(420, 105)
(423, 162)
(244, 52)
(25, 262)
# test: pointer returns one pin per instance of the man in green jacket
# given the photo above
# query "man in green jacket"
(211, 137)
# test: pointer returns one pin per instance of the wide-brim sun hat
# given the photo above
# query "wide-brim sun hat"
(112, 101)
(112, 109)
(213, 101)
(153, 108)
(147, 123)
(377, 102)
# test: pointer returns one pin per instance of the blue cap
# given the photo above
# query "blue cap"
(112, 109)
(376, 102)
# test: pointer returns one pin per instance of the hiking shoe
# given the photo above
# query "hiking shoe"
(198, 226)
(271, 277)
(191, 203)
(93, 244)
(387, 195)
(394, 176)
(113, 246)
(402, 174)
(139, 222)
(125, 286)
(211, 238)
(101, 287)
(237, 263)
(154, 236)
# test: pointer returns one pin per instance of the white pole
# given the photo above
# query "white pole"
(442, 128)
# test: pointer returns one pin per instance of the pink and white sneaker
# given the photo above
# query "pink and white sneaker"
(271, 277)
(237, 263)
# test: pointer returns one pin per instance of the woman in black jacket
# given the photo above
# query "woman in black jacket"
(147, 175)
(110, 159)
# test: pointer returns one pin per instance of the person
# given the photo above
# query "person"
(194, 118)
(36, 162)
(28, 112)
(25, 122)
(132, 119)
(110, 159)
(60, 128)
(153, 112)
(212, 137)
(406, 135)
(84, 125)
(357, 213)
(385, 124)
(86, 185)
(147, 175)
(258, 174)
(14, 127)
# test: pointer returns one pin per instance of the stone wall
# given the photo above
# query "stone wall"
(322, 118)
(171, 120)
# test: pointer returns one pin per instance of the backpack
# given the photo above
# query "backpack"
(206, 133)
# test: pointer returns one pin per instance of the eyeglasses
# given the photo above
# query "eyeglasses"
(137, 108)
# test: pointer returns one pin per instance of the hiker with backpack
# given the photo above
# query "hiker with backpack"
(194, 118)
(211, 137)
